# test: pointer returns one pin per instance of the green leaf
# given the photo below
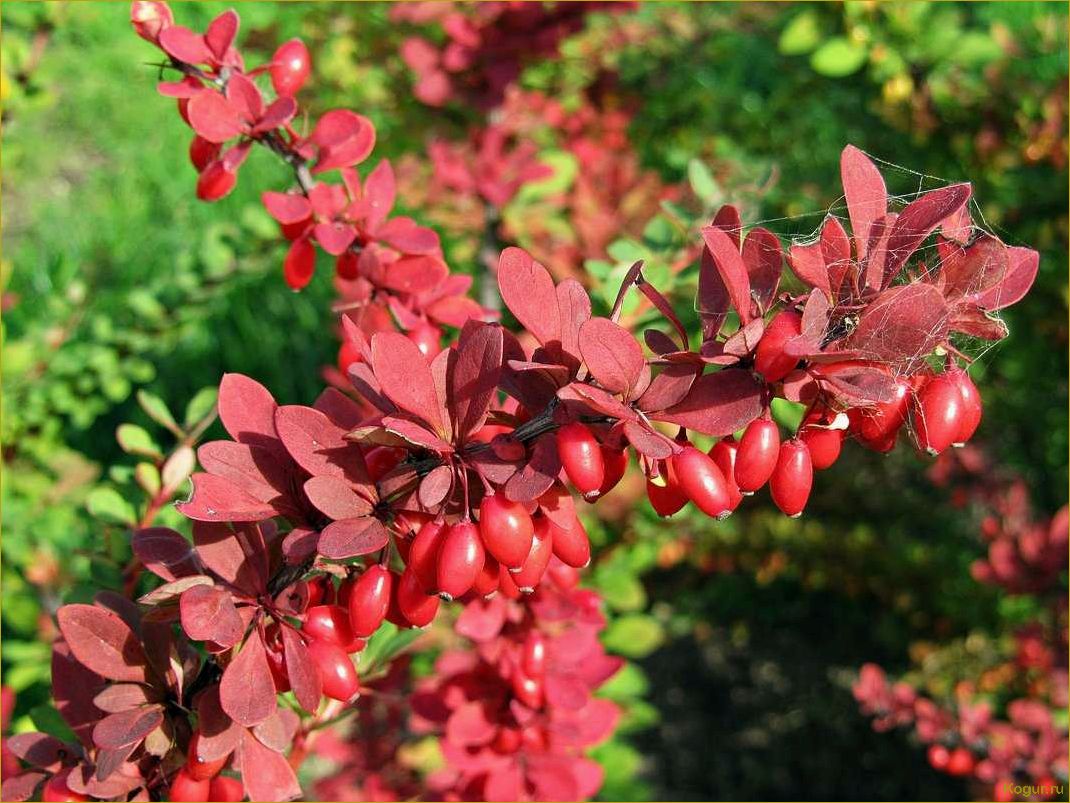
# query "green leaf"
(48, 720)
(634, 636)
(630, 682)
(788, 414)
(565, 168)
(108, 505)
(621, 590)
(703, 184)
(384, 644)
(200, 405)
(136, 440)
(148, 478)
(801, 35)
(838, 57)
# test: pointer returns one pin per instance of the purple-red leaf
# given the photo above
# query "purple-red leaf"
(237, 556)
(221, 32)
(304, 678)
(103, 643)
(473, 376)
(344, 139)
(718, 403)
(208, 614)
(669, 387)
(164, 552)
(287, 208)
(867, 197)
(116, 731)
(317, 444)
(247, 691)
(573, 309)
(336, 498)
(266, 775)
(1021, 273)
(729, 264)
(184, 45)
(435, 486)
(764, 260)
(612, 355)
(352, 537)
(903, 325)
(974, 270)
(405, 376)
(807, 261)
(917, 221)
(538, 474)
(247, 410)
(528, 291)
(216, 499)
(219, 734)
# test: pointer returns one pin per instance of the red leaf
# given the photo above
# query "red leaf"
(473, 376)
(317, 444)
(266, 775)
(415, 274)
(164, 552)
(247, 410)
(116, 731)
(103, 643)
(339, 408)
(185, 45)
(344, 139)
(380, 191)
(22, 787)
(807, 261)
(668, 387)
(528, 292)
(728, 220)
(352, 537)
(217, 499)
(718, 404)
(299, 265)
(404, 235)
(574, 310)
(974, 270)
(405, 376)
(37, 749)
(238, 557)
(1021, 273)
(336, 498)
(277, 114)
(213, 117)
(208, 614)
(815, 317)
(505, 782)
(287, 208)
(246, 99)
(435, 486)
(973, 321)
(219, 734)
(836, 252)
(647, 442)
(415, 434)
(73, 688)
(902, 325)
(917, 221)
(764, 260)
(221, 32)
(482, 620)
(247, 691)
(277, 731)
(334, 237)
(118, 697)
(255, 470)
(468, 725)
(538, 475)
(304, 677)
(613, 356)
(867, 197)
(729, 264)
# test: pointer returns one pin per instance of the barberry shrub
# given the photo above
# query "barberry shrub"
(445, 472)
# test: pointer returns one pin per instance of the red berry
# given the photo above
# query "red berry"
(758, 451)
(664, 494)
(226, 790)
(369, 600)
(276, 658)
(824, 444)
(337, 674)
(563, 576)
(347, 265)
(57, 791)
(184, 787)
(938, 756)
(615, 462)
(971, 406)
(290, 67)
(571, 545)
(507, 585)
(507, 741)
(960, 762)
(300, 263)
(348, 354)
(486, 582)
(702, 482)
(542, 545)
(533, 655)
(330, 623)
(882, 421)
(1003, 792)
(506, 529)
(149, 18)
(527, 689)
(769, 358)
(215, 181)
(792, 478)
(428, 338)
(423, 554)
(581, 457)
(460, 559)
(938, 413)
(416, 605)
(199, 769)
(202, 152)
(724, 454)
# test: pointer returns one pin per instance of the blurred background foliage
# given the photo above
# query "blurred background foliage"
(748, 633)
